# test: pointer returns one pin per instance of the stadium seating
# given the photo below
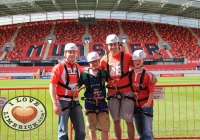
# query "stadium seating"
(139, 31)
(33, 33)
(142, 33)
(183, 43)
(151, 48)
(56, 50)
(101, 49)
(99, 32)
(68, 31)
(196, 31)
(102, 29)
(6, 33)
(24, 51)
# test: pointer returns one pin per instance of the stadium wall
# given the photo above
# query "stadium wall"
(189, 66)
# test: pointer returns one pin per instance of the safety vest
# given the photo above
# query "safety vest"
(66, 85)
(122, 73)
(141, 87)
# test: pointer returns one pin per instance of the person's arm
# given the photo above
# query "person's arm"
(151, 89)
(102, 63)
(80, 82)
(80, 79)
(52, 91)
(148, 103)
(154, 80)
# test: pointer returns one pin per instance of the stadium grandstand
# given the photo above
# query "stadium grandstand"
(33, 34)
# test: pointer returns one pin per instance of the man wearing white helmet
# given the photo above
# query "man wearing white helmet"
(96, 108)
(64, 94)
(143, 91)
(120, 97)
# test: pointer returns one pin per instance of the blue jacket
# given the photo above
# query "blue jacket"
(94, 86)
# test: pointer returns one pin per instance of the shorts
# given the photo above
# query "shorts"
(100, 121)
(121, 109)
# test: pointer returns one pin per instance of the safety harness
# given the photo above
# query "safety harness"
(66, 85)
(118, 95)
(96, 100)
(135, 93)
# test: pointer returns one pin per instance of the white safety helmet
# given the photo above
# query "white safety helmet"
(71, 47)
(112, 39)
(138, 54)
(92, 56)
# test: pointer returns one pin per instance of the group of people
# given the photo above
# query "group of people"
(130, 93)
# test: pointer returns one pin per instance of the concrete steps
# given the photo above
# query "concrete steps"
(193, 33)
(53, 37)
(160, 40)
(122, 34)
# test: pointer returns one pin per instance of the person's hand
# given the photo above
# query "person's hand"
(146, 105)
(154, 80)
(57, 109)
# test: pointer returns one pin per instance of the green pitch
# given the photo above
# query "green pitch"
(175, 115)
(45, 82)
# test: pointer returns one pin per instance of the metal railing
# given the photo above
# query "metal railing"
(176, 116)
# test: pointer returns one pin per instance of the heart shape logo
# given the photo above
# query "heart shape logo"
(24, 115)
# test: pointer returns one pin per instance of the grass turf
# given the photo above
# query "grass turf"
(175, 115)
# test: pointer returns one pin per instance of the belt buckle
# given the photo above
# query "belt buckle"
(139, 109)
(72, 104)
(96, 95)
(135, 93)
(115, 81)
(65, 108)
(119, 95)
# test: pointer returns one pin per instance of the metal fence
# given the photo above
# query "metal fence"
(176, 115)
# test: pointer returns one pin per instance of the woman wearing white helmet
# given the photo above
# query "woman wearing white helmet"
(96, 108)
(64, 94)
(143, 91)
(120, 97)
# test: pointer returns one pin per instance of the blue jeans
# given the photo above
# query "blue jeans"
(77, 120)
(143, 124)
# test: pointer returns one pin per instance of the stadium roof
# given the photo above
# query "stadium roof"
(105, 8)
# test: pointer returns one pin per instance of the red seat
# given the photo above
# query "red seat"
(182, 42)
(102, 29)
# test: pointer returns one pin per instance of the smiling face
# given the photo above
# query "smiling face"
(71, 55)
(138, 63)
(94, 65)
(113, 48)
